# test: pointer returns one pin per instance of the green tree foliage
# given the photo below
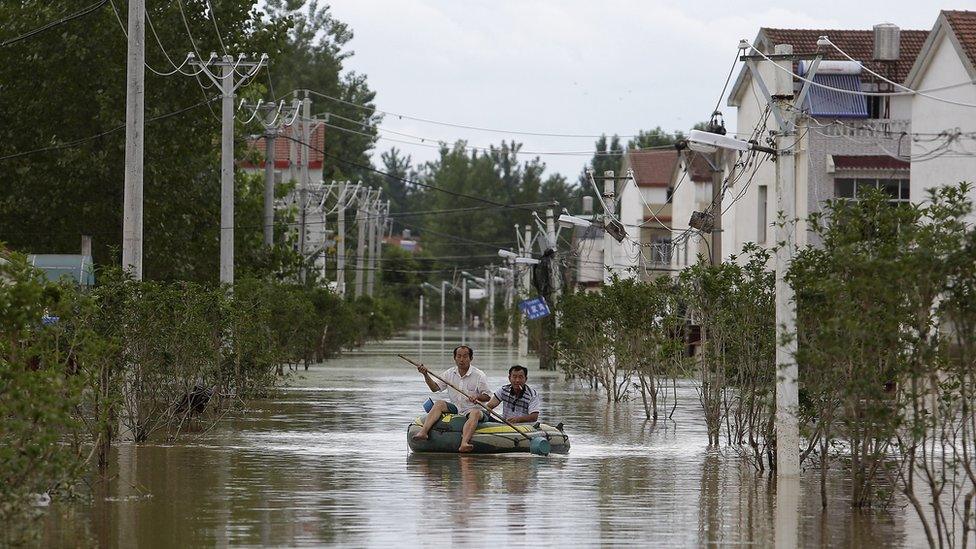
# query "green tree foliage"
(498, 176)
(69, 84)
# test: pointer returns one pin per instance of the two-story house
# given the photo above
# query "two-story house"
(846, 142)
(942, 117)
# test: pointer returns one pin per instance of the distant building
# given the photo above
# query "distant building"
(646, 209)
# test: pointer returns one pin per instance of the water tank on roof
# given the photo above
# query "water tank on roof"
(887, 42)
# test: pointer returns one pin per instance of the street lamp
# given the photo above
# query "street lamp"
(507, 254)
(526, 261)
(567, 221)
(708, 142)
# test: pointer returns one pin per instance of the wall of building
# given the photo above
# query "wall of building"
(930, 116)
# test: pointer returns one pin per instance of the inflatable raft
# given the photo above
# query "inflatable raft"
(489, 438)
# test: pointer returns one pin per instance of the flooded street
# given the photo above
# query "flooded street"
(327, 463)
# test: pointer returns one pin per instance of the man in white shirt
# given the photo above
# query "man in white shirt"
(470, 380)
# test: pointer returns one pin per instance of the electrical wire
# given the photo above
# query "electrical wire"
(118, 128)
(213, 17)
(463, 126)
(46, 27)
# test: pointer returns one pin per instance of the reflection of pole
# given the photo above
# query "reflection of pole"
(787, 398)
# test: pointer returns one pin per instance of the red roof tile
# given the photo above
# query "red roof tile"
(870, 162)
(859, 44)
(653, 168)
(963, 24)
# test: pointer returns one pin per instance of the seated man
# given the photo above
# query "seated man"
(470, 380)
(522, 403)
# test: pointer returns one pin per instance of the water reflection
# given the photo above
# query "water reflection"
(327, 464)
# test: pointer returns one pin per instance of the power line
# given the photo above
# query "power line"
(463, 126)
(52, 24)
(118, 128)
(398, 178)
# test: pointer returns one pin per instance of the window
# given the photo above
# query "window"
(877, 107)
(761, 228)
(661, 250)
(898, 190)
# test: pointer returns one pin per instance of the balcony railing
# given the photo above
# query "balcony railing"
(876, 127)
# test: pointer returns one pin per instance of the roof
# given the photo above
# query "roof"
(870, 162)
(653, 168)
(283, 146)
(960, 27)
(963, 24)
(699, 169)
(859, 44)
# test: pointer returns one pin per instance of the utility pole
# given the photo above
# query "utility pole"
(787, 392)
(304, 179)
(340, 240)
(717, 181)
(464, 309)
(361, 209)
(373, 248)
(227, 87)
(609, 201)
(523, 342)
(444, 284)
(270, 133)
(490, 316)
(135, 98)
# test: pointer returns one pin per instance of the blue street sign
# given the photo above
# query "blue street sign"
(534, 308)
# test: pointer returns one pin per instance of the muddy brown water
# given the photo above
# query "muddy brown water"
(327, 464)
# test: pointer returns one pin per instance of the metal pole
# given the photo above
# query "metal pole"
(135, 76)
(269, 184)
(227, 173)
(787, 399)
(609, 199)
(464, 310)
(341, 242)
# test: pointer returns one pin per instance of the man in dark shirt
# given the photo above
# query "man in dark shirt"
(521, 403)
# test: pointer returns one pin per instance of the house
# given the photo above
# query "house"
(846, 142)
(288, 154)
(946, 65)
(645, 209)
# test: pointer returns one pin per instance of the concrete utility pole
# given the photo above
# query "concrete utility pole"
(490, 287)
(135, 97)
(444, 285)
(340, 241)
(270, 132)
(361, 209)
(464, 310)
(374, 237)
(303, 179)
(787, 392)
(609, 199)
(227, 87)
(717, 180)
(523, 339)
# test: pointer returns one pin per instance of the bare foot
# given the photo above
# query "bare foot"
(421, 436)
(465, 447)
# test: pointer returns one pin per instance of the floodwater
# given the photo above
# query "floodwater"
(327, 463)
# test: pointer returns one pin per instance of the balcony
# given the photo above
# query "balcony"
(872, 127)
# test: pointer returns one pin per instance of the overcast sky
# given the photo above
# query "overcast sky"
(569, 66)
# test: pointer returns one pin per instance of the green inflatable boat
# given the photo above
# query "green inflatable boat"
(489, 438)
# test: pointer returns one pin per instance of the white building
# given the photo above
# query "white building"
(947, 58)
(847, 142)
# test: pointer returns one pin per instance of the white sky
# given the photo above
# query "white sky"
(572, 66)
